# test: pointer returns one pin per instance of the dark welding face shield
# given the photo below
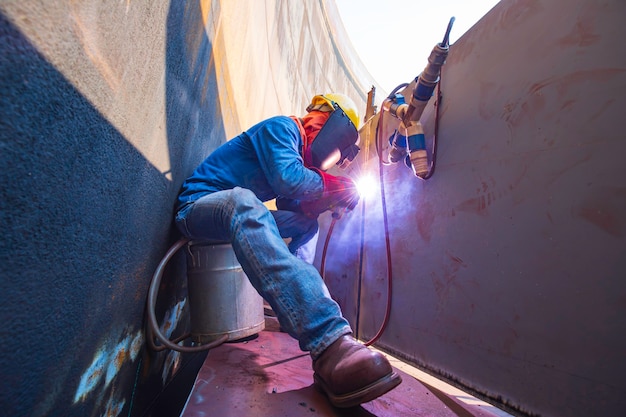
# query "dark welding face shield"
(336, 143)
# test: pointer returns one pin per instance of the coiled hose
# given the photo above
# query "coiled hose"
(153, 326)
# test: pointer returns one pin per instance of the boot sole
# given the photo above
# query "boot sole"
(366, 394)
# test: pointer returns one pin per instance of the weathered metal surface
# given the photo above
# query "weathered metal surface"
(509, 263)
(271, 376)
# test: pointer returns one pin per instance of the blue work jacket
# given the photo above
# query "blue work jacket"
(265, 159)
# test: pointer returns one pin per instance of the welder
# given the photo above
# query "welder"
(286, 158)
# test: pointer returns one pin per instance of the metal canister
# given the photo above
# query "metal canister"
(221, 299)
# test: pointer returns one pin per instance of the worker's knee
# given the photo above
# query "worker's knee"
(245, 201)
(244, 197)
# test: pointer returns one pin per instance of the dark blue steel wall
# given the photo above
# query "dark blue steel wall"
(105, 109)
(85, 220)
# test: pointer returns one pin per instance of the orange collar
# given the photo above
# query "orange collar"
(309, 126)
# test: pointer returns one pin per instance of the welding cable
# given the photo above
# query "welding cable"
(381, 163)
(379, 139)
(383, 325)
(395, 90)
(324, 251)
(153, 325)
(359, 287)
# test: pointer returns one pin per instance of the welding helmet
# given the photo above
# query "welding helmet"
(337, 141)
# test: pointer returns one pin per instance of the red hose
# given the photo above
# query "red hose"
(383, 326)
(323, 261)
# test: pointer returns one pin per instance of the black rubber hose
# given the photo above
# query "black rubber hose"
(446, 37)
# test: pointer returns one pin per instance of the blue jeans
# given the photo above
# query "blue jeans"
(292, 287)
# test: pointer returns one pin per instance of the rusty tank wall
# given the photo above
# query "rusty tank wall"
(509, 264)
(105, 108)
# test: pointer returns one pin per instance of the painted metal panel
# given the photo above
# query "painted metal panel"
(509, 263)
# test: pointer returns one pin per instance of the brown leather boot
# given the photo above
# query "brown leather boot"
(350, 373)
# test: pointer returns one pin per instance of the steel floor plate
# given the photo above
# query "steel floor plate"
(271, 376)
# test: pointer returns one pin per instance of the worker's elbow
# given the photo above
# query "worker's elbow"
(298, 191)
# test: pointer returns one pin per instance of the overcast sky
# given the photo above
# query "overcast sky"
(394, 37)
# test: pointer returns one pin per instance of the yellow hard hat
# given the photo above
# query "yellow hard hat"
(324, 102)
(337, 141)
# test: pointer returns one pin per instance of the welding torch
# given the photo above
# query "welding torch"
(408, 142)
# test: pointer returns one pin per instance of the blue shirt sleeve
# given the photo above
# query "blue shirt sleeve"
(277, 143)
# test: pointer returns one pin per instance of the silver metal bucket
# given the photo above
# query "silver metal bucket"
(221, 299)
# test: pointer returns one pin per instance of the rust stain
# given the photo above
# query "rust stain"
(515, 113)
(119, 358)
(605, 106)
(510, 337)
(605, 208)
(485, 100)
(92, 375)
(106, 364)
(424, 218)
(519, 12)
(114, 406)
(488, 194)
(602, 217)
(477, 205)
(567, 104)
(563, 83)
(135, 345)
(520, 111)
(582, 34)
(459, 51)
(443, 285)
(167, 327)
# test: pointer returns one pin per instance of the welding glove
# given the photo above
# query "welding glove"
(340, 194)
